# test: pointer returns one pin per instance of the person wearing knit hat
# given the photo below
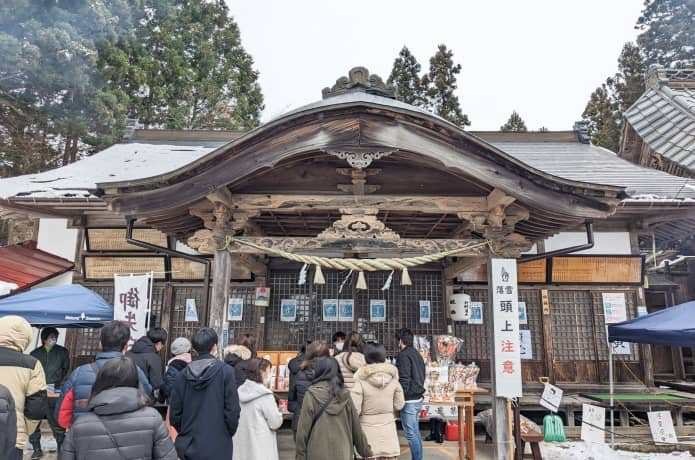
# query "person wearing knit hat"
(181, 349)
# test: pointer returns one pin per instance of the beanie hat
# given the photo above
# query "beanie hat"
(180, 345)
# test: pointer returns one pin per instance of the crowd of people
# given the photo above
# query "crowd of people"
(344, 397)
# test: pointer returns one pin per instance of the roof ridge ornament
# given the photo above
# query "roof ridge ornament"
(360, 157)
(360, 80)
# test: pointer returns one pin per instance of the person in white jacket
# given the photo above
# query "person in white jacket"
(256, 439)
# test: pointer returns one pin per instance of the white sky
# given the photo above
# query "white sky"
(542, 58)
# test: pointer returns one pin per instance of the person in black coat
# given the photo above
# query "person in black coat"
(238, 356)
(145, 354)
(303, 378)
(8, 423)
(204, 404)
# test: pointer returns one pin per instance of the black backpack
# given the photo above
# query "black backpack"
(8, 423)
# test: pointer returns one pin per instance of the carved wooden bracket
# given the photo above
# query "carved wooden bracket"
(359, 180)
(359, 223)
(360, 157)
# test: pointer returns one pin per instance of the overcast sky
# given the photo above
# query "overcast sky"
(540, 58)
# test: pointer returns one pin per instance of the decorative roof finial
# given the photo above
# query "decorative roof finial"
(359, 79)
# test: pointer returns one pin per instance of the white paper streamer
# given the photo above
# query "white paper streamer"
(344, 281)
(302, 275)
(387, 284)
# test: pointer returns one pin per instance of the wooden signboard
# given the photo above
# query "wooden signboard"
(597, 269)
(103, 268)
(113, 239)
(184, 269)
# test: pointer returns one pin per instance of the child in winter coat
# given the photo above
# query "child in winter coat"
(255, 438)
(377, 394)
(181, 349)
(351, 359)
(119, 424)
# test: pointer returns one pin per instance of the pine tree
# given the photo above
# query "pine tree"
(604, 119)
(186, 69)
(515, 124)
(441, 86)
(405, 77)
(628, 84)
(668, 34)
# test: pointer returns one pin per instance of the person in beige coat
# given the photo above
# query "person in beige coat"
(377, 395)
(23, 376)
(351, 359)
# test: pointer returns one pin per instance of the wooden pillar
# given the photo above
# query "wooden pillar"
(547, 335)
(646, 350)
(222, 266)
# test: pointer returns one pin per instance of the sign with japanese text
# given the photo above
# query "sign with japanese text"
(593, 424)
(619, 347)
(525, 344)
(614, 308)
(235, 309)
(346, 309)
(505, 324)
(288, 310)
(476, 313)
(191, 313)
(425, 311)
(131, 299)
(377, 310)
(661, 425)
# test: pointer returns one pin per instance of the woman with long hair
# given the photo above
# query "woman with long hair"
(260, 418)
(239, 355)
(377, 395)
(119, 425)
(314, 351)
(329, 427)
(351, 359)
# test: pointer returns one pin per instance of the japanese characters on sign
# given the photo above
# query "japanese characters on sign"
(235, 309)
(425, 311)
(593, 424)
(661, 425)
(525, 344)
(346, 309)
(505, 324)
(288, 310)
(377, 310)
(615, 311)
(191, 313)
(551, 397)
(132, 303)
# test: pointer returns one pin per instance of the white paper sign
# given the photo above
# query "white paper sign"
(525, 345)
(505, 322)
(191, 313)
(661, 424)
(425, 311)
(235, 309)
(620, 347)
(131, 303)
(593, 424)
(377, 310)
(330, 309)
(614, 307)
(523, 318)
(476, 313)
(346, 309)
(551, 397)
(288, 310)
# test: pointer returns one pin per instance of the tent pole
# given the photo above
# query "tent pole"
(610, 389)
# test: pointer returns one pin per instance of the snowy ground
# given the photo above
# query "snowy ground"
(583, 451)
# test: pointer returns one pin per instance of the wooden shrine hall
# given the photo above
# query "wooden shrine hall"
(360, 176)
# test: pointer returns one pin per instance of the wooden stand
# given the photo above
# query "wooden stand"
(465, 403)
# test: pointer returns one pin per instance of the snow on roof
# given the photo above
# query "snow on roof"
(120, 162)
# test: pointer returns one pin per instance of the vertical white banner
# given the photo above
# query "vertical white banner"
(131, 303)
(505, 318)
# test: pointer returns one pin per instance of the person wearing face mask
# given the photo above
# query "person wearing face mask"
(145, 354)
(338, 343)
(260, 418)
(56, 365)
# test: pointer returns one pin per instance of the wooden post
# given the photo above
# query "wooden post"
(547, 334)
(222, 266)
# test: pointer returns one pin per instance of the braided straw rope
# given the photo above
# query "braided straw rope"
(370, 265)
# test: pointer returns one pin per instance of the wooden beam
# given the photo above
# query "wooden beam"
(461, 265)
(295, 203)
(497, 198)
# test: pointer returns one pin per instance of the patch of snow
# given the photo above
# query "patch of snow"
(120, 162)
(6, 288)
(584, 451)
(651, 198)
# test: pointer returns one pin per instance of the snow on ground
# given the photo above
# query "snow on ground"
(583, 451)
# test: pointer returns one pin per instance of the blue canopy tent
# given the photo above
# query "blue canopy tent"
(673, 326)
(61, 306)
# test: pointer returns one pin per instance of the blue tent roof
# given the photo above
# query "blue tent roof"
(61, 306)
(671, 326)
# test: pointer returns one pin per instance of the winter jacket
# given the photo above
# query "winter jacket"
(260, 418)
(336, 432)
(303, 380)
(238, 358)
(119, 426)
(173, 370)
(411, 373)
(204, 409)
(147, 358)
(77, 389)
(22, 375)
(294, 365)
(8, 423)
(377, 394)
(348, 367)
(56, 363)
